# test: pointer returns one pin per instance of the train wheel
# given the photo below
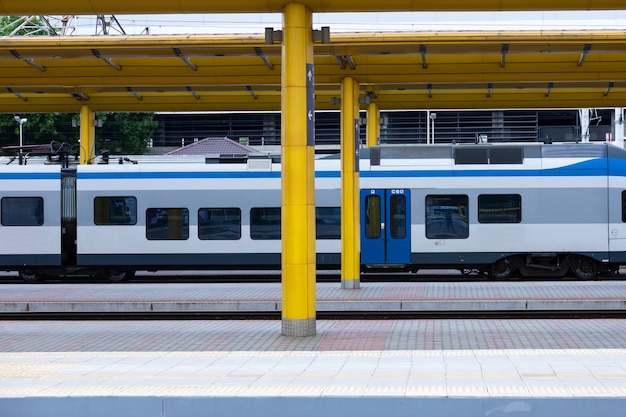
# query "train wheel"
(30, 275)
(116, 275)
(501, 269)
(584, 268)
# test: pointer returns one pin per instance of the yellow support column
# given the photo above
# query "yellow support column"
(350, 237)
(298, 173)
(373, 125)
(87, 136)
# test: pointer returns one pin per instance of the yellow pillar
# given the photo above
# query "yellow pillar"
(298, 173)
(350, 238)
(373, 125)
(87, 136)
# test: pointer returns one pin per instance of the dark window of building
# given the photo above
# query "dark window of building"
(447, 217)
(115, 210)
(500, 208)
(265, 223)
(219, 224)
(22, 211)
(328, 223)
(167, 223)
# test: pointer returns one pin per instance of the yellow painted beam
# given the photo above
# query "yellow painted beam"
(373, 125)
(350, 238)
(19, 7)
(87, 136)
(298, 174)
(452, 97)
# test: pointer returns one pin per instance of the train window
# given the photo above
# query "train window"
(372, 217)
(22, 211)
(397, 214)
(327, 222)
(115, 210)
(447, 217)
(167, 223)
(219, 224)
(499, 208)
(265, 223)
(624, 206)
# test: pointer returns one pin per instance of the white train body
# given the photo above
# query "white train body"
(532, 208)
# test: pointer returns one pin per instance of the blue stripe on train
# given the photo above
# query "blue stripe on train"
(594, 167)
(30, 175)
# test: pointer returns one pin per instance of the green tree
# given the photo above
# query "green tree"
(21, 26)
(41, 128)
(125, 133)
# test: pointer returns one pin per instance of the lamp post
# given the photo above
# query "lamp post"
(433, 116)
(21, 122)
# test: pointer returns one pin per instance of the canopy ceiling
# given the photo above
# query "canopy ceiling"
(397, 71)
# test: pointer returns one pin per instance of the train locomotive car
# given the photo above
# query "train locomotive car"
(534, 209)
(498, 209)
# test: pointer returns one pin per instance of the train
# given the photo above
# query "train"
(502, 210)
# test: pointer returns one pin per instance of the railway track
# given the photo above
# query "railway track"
(322, 315)
(235, 277)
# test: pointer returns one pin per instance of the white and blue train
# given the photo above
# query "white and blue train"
(502, 209)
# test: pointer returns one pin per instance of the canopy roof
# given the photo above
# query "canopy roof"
(240, 72)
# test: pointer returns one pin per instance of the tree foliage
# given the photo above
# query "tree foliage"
(121, 133)
(125, 133)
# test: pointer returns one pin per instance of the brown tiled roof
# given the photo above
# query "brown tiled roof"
(213, 146)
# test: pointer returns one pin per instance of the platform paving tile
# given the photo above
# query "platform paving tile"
(321, 374)
(350, 335)
(17, 297)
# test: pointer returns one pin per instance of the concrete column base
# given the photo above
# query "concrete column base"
(350, 284)
(299, 328)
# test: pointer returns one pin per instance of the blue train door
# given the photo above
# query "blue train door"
(385, 227)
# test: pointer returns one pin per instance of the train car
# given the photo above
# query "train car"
(499, 209)
(30, 218)
(219, 215)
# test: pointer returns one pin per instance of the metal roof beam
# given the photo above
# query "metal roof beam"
(423, 54)
(193, 93)
(134, 93)
(264, 57)
(29, 61)
(112, 64)
(18, 95)
(345, 60)
(583, 54)
(80, 96)
(251, 91)
(185, 59)
(503, 51)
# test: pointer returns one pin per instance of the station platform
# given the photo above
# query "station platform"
(516, 296)
(426, 367)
